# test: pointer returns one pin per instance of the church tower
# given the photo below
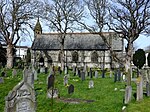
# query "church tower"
(37, 28)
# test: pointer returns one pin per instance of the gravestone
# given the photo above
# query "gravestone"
(46, 70)
(51, 80)
(53, 93)
(91, 84)
(66, 70)
(42, 69)
(1, 80)
(91, 75)
(82, 76)
(28, 77)
(79, 73)
(96, 74)
(59, 70)
(65, 80)
(115, 77)
(119, 75)
(71, 89)
(148, 89)
(34, 73)
(76, 71)
(73, 69)
(124, 77)
(128, 93)
(14, 72)
(139, 84)
(21, 99)
(110, 74)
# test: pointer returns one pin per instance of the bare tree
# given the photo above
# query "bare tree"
(14, 17)
(130, 18)
(61, 16)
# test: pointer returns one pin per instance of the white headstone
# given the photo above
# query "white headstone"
(65, 80)
(91, 84)
(96, 74)
(52, 93)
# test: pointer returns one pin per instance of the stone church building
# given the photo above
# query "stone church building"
(80, 49)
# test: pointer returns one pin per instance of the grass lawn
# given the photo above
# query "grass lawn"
(103, 94)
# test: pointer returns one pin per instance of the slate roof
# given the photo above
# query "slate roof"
(73, 41)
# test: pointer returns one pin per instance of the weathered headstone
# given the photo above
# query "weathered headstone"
(148, 89)
(21, 99)
(34, 73)
(65, 80)
(59, 70)
(110, 74)
(76, 71)
(51, 80)
(128, 93)
(79, 73)
(96, 74)
(66, 70)
(14, 72)
(139, 84)
(28, 77)
(91, 75)
(91, 84)
(119, 75)
(53, 93)
(42, 70)
(1, 80)
(73, 69)
(70, 89)
(115, 77)
(82, 76)
(46, 70)
(124, 77)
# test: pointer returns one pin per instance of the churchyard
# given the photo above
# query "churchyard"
(72, 91)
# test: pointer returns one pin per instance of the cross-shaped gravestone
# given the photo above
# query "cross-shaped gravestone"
(65, 80)
(51, 80)
(70, 89)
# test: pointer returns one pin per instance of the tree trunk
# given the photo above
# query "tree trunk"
(129, 53)
(128, 71)
(62, 57)
(10, 56)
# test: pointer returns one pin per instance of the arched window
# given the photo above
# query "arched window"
(75, 56)
(41, 61)
(94, 57)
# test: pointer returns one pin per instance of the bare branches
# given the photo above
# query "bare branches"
(14, 14)
(131, 16)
